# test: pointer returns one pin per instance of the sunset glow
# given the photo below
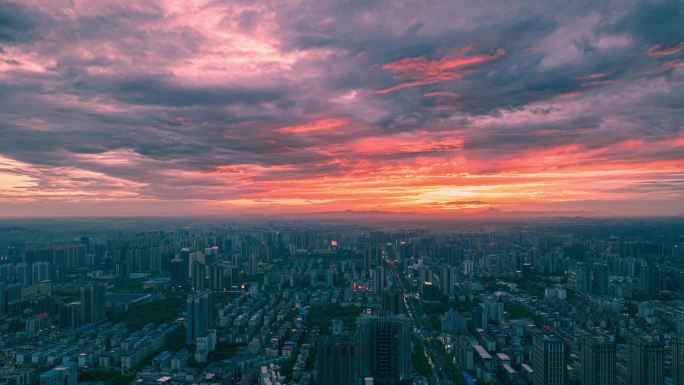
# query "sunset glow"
(184, 108)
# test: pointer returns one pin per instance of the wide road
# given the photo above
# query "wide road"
(435, 357)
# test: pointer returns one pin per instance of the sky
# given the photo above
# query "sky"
(220, 107)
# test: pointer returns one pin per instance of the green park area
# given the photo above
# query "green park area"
(322, 316)
(163, 310)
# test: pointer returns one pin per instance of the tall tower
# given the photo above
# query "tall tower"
(645, 361)
(598, 361)
(384, 347)
(336, 360)
(548, 360)
(678, 359)
(198, 322)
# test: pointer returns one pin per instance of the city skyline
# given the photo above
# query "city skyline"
(562, 301)
(445, 108)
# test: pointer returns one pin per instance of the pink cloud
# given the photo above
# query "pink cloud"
(657, 51)
(675, 63)
(446, 94)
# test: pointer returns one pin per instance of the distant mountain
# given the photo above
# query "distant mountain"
(489, 214)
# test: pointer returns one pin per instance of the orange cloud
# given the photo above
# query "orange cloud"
(315, 126)
(420, 71)
(407, 144)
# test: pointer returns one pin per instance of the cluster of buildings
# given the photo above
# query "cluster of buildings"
(299, 304)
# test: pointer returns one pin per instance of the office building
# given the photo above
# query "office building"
(583, 278)
(179, 272)
(384, 344)
(372, 257)
(650, 281)
(678, 359)
(199, 276)
(393, 301)
(479, 319)
(600, 280)
(337, 326)
(198, 321)
(598, 361)
(92, 303)
(548, 360)
(64, 374)
(447, 278)
(645, 358)
(253, 265)
(379, 280)
(335, 360)
(40, 272)
(217, 276)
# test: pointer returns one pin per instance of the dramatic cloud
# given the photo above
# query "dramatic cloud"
(210, 107)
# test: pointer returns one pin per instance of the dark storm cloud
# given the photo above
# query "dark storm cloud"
(16, 23)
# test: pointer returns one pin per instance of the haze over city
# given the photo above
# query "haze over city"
(244, 108)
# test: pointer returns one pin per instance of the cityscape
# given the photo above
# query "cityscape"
(547, 301)
(341, 192)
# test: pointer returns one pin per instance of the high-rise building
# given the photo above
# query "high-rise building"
(23, 274)
(479, 319)
(335, 360)
(494, 308)
(598, 361)
(70, 314)
(393, 301)
(384, 344)
(40, 271)
(64, 374)
(645, 361)
(447, 278)
(253, 265)
(678, 359)
(464, 352)
(372, 257)
(600, 282)
(92, 303)
(3, 300)
(179, 272)
(337, 326)
(193, 258)
(199, 276)
(453, 323)
(548, 360)
(583, 278)
(650, 281)
(379, 280)
(217, 276)
(234, 276)
(198, 320)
